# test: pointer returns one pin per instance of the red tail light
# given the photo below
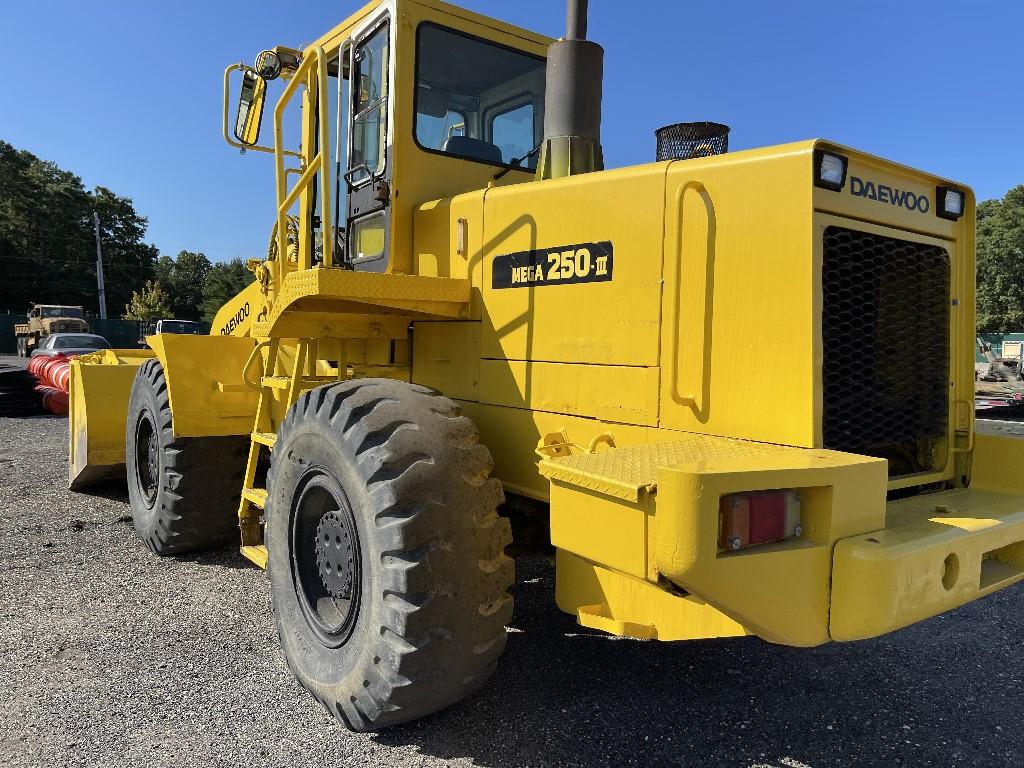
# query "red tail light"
(758, 517)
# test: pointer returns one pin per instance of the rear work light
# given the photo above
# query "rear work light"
(758, 517)
(829, 170)
(949, 203)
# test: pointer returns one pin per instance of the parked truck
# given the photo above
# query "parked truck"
(154, 327)
(44, 319)
(703, 372)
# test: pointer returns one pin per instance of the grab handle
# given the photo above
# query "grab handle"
(678, 395)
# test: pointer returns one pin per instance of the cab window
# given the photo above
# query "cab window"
(513, 130)
(477, 99)
(434, 132)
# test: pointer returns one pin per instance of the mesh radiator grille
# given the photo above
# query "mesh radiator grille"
(885, 340)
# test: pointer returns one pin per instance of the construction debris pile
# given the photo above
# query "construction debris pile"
(998, 382)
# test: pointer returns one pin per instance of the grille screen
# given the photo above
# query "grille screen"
(885, 334)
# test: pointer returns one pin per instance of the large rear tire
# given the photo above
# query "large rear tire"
(184, 492)
(388, 575)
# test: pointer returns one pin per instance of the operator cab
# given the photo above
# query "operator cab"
(437, 105)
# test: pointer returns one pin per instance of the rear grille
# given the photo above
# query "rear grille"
(885, 338)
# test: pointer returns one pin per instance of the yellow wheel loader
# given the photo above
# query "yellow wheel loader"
(701, 372)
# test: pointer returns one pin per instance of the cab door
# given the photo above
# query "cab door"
(368, 173)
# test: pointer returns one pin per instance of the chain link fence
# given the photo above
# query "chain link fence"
(122, 334)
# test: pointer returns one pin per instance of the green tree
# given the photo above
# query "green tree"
(1000, 265)
(223, 282)
(151, 303)
(163, 270)
(47, 247)
(184, 277)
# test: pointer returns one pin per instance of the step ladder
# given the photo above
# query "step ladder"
(264, 435)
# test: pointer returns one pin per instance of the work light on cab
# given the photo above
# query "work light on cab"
(758, 517)
(268, 64)
(829, 170)
(950, 203)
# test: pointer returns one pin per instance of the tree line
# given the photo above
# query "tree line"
(188, 287)
(48, 249)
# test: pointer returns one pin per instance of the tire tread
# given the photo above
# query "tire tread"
(200, 479)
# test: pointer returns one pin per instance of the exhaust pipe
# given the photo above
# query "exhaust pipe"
(572, 101)
(576, 20)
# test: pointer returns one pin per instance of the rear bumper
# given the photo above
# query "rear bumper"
(965, 545)
(651, 514)
(861, 567)
(937, 551)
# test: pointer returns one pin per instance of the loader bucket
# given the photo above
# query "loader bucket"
(101, 384)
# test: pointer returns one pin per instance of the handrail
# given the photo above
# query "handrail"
(318, 163)
(678, 396)
(227, 103)
(248, 364)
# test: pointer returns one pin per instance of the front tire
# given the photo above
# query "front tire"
(184, 491)
(386, 553)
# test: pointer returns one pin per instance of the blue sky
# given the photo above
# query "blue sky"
(128, 94)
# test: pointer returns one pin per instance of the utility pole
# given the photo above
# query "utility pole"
(99, 268)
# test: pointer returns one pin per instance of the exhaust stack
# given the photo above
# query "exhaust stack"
(572, 101)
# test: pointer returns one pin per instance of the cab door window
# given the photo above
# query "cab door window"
(369, 108)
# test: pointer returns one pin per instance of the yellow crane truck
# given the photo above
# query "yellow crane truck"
(703, 372)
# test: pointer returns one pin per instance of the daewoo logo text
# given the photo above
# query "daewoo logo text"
(886, 194)
(237, 319)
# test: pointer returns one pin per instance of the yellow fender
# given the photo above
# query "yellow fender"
(236, 317)
(204, 383)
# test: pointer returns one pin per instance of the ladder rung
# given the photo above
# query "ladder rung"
(283, 382)
(276, 382)
(264, 438)
(257, 553)
(257, 496)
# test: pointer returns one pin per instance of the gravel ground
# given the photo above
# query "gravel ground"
(1001, 421)
(112, 656)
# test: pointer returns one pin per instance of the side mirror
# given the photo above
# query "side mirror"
(250, 108)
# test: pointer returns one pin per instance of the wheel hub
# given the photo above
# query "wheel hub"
(325, 556)
(147, 458)
(334, 559)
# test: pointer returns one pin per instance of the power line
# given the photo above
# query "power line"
(73, 262)
(166, 248)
